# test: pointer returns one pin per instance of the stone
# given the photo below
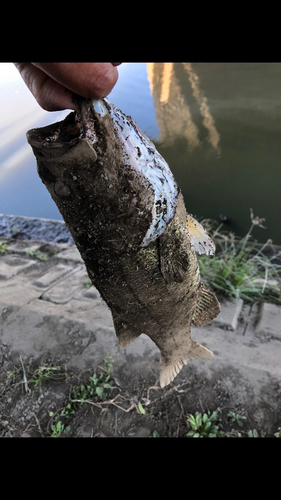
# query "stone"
(71, 254)
(228, 317)
(62, 292)
(54, 274)
(269, 319)
(11, 265)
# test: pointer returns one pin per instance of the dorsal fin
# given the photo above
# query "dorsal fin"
(200, 241)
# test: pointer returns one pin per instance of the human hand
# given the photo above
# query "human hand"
(53, 84)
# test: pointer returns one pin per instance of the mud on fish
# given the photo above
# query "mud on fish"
(127, 216)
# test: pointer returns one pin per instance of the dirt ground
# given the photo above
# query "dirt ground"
(53, 338)
(134, 405)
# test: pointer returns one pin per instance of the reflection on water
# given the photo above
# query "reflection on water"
(219, 130)
(218, 125)
(173, 113)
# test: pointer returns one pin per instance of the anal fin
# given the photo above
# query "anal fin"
(170, 369)
(207, 308)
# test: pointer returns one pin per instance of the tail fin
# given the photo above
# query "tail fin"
(170, 369)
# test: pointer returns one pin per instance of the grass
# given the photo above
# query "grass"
(93, 389)
(240, 268)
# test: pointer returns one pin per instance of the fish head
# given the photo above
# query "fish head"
(93, 181)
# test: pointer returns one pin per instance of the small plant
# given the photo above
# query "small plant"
(47, 372)
(3, 248)
(37, 254)
(96, 385)
(155, 434)
(141, 408)
(253, 433)
(58, 428)
(87, 283)
(203, 425)
(278, 433)
(236, 418)
(108, 363)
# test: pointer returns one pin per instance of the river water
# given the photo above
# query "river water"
(218, 125)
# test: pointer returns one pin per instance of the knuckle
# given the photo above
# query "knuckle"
(102, 80)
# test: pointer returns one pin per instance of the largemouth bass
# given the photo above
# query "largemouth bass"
(127, 216)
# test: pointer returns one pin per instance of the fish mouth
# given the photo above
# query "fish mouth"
(82, 124)
(62, 134)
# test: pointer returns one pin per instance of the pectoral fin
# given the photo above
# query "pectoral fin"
(173, 255)
(199, 239)
(207, 308)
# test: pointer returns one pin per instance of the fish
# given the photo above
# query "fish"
(127, 216)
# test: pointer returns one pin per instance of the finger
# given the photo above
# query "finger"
(91, 80)
(49, 94)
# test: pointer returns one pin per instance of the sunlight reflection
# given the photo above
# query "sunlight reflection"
(173, 113)
(19, 113)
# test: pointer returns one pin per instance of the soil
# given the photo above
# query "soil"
(70, 341)
(33, 411)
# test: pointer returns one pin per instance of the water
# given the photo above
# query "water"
(218, 125)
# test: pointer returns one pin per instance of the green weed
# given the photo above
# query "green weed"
(239, 269)
(96, 385)
(58, 428)
(203, 425)
(253, 433)
(37, 254)
(278, 433)
(236, 418)
(47, 372)
(3, 248)
(87, 283)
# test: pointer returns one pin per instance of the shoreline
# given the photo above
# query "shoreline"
(34, 228)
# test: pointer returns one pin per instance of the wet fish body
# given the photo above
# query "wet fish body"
(127, 217)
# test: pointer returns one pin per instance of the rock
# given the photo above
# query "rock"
(228, 317)
(11, 265)
(269, 320)
(54, 274)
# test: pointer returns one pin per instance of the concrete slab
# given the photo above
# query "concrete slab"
(70, 254)
(62, 292)
(228, 317)
(54, 274)
(269, 320)
(11, 265)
